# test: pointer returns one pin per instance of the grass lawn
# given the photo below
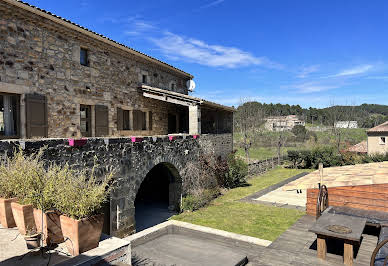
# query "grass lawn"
(226, 213)
(262, 153)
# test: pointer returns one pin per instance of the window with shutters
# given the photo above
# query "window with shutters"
(123, 119)
(139, 120)
(9, 115)
(85, 120)
(101, 120)
(36, 115)
(126, 124)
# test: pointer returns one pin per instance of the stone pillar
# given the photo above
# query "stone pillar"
(194, 120)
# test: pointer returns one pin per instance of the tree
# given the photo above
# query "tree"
(249, 118)
(300, 132)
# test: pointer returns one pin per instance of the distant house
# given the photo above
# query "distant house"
(378, 139)
(360, 148)
(346, 124)
(282, 123)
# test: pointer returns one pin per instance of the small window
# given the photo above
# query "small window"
(145, 79)
(126, 125)
(85, 120)
(9, 110)
(84, 57)
(382, 140)
(173, 86)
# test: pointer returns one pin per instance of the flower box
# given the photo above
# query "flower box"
(195, 136)
(24, 217)
(52, 230)
(83, 234)
(137, 139)
(171, 138)
(6, 216)
(77, 142)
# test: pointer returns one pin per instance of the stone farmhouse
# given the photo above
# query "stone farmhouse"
(378, 139)
(282, 123)
(59, 80)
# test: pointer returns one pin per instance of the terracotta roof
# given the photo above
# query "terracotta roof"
(361, 147)
(82, 29)
(380, 128)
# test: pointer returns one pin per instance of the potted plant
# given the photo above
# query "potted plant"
(80, 198)
(26, 172)
(7, 196)
(45, 215)
(32, 238)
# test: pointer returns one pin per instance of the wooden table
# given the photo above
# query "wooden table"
(320, 228)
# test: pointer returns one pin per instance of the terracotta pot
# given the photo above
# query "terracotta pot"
(83, 235)
(33, 241)
(24, 217)
(52, 232)
(6, 216)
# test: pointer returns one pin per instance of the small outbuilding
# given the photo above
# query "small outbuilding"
(378, 139)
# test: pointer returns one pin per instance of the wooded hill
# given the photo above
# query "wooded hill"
(367, 115)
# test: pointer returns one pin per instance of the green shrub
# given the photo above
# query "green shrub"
(193, 202)
(237, 172)
(330, 156)
(22, 176)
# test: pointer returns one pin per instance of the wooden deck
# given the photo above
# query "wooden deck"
(297, 246)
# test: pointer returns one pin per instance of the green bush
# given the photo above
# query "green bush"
(237, 172)
(193, 202)
(329, 156)
(23, 177)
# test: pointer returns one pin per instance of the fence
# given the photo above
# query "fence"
(260, 167)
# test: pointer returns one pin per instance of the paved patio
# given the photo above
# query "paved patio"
(281, 198)
(350, 175)
(13, 251)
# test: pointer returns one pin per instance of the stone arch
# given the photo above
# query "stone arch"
(159, 193)
(174, 165)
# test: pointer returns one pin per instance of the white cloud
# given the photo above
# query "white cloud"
(311, 87)
(178, 47)
(138, 27)
(213, 3)
(308, 70)
(354, 71)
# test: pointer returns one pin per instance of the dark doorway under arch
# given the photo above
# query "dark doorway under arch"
(158, 197)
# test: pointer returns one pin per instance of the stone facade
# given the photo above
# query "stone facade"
(39, 56)
(133, 160)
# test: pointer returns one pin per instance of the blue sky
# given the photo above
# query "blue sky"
(312, 53)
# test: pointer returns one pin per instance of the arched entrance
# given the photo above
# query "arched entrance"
(158, 197)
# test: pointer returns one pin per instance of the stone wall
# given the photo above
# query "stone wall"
(38, 55)
(133, 160)
(219, 145)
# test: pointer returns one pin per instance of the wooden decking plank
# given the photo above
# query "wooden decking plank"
(293, 248)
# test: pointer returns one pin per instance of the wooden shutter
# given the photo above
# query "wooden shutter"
(101, 120)
(36, 115)
(136, 120)
(119, 119)
(149, 120)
